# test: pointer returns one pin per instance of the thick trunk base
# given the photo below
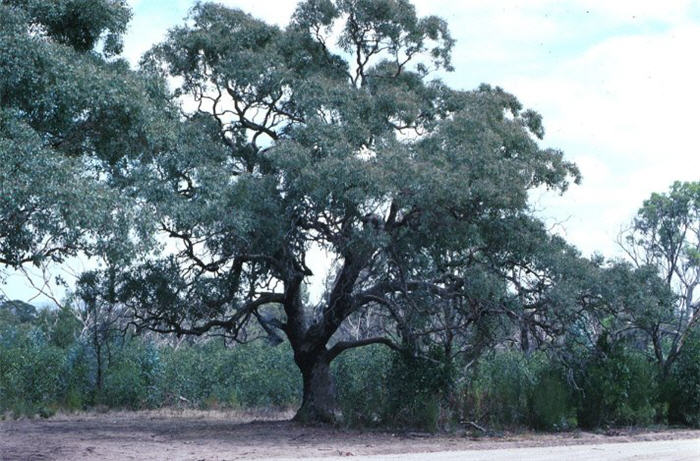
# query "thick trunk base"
(319, 404)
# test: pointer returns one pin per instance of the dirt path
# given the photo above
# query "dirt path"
(216, 436)
(667, 450)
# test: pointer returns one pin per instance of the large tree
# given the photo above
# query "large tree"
(327, 138)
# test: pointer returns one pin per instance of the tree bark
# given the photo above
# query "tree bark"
(319, 404)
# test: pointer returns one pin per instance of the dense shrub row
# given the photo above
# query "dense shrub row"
(513, 389)
(39, 377)
(43, 369)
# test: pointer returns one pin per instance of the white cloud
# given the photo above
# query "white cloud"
(631, 10)
(620, 11)
(626, 111)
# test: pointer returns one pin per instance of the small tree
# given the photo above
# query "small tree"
(103, 319)
(665, 238)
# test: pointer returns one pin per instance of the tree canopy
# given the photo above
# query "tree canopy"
(328, 137)
(71, 119)
(664, 238)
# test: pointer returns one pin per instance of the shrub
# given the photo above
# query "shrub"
(42, 369)
(214, 375)
(417, 391)
(515, 389)
(184, 374)
(264, 375)
(620, 388)
(80, 377)
(361, 379)
(682, 387)
(130, 376)
(551, 402)
(499, 388)
(32, 372)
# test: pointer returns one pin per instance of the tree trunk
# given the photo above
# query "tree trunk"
(98, 355)
(524, 338)
(319, 403)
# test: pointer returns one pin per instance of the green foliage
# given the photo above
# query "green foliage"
(665, 238)
(500, 389)
(361, 378)
(551, 403)
(264, 376)
(17, 312)
(79, 23)
(325, 134)
(79, 377)
(417, 389)
(31, 371)
(329, 133)
(41, 370)
(510, 388)
(253, 375)
(62, 326)
(129, 377)
(376, 386)
(188, 374)
(619, 388)
(68, 116)
(682, 387)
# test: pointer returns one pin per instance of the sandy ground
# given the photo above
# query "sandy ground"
(217, 436)
(667, 450)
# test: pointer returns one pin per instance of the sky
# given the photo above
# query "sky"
(616, 82)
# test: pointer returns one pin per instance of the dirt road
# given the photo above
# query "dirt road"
(218, 436)
(667, 450)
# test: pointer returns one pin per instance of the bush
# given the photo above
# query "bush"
(499, 389)
(620, 388)
(213, 375)
(80, 377)
(377, 386)
(264, 375)
(514, 389)
(551, 402)
(682, 387)
(130, 377)
(185, 374)
(32, 372)
(418, 389)
(43, 368)
(361, 377)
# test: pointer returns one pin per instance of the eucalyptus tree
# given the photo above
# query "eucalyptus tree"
(664, 239)
(328, 137)
(100, 315)
(73, 116)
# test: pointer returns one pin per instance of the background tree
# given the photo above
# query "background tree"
(17, 312)
(101, 316)
(302, 141)
(665, 238)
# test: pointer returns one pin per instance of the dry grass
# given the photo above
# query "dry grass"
(237, 415)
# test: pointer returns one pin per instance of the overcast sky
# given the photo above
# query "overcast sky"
(617, 82)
